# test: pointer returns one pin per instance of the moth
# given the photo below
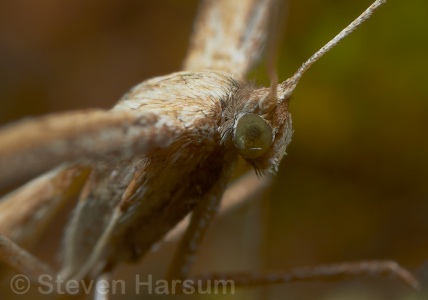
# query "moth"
(166, 150)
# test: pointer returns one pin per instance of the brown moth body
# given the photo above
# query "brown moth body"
(128, 205)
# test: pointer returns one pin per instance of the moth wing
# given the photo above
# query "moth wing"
(128, 205)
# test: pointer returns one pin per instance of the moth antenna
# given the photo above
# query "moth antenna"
(290, 84)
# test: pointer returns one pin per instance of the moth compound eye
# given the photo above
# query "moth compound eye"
(253, 136)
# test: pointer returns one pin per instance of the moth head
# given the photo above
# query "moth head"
(258, 125)
(258, 121)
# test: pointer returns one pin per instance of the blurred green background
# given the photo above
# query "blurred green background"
(355, 182)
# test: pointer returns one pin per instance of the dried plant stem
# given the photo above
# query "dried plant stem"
(26, 212)
(229, 35)
(325, 272)
(32, 146)
(22, 261)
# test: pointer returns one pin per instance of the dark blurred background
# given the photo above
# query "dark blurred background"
(354, 184)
